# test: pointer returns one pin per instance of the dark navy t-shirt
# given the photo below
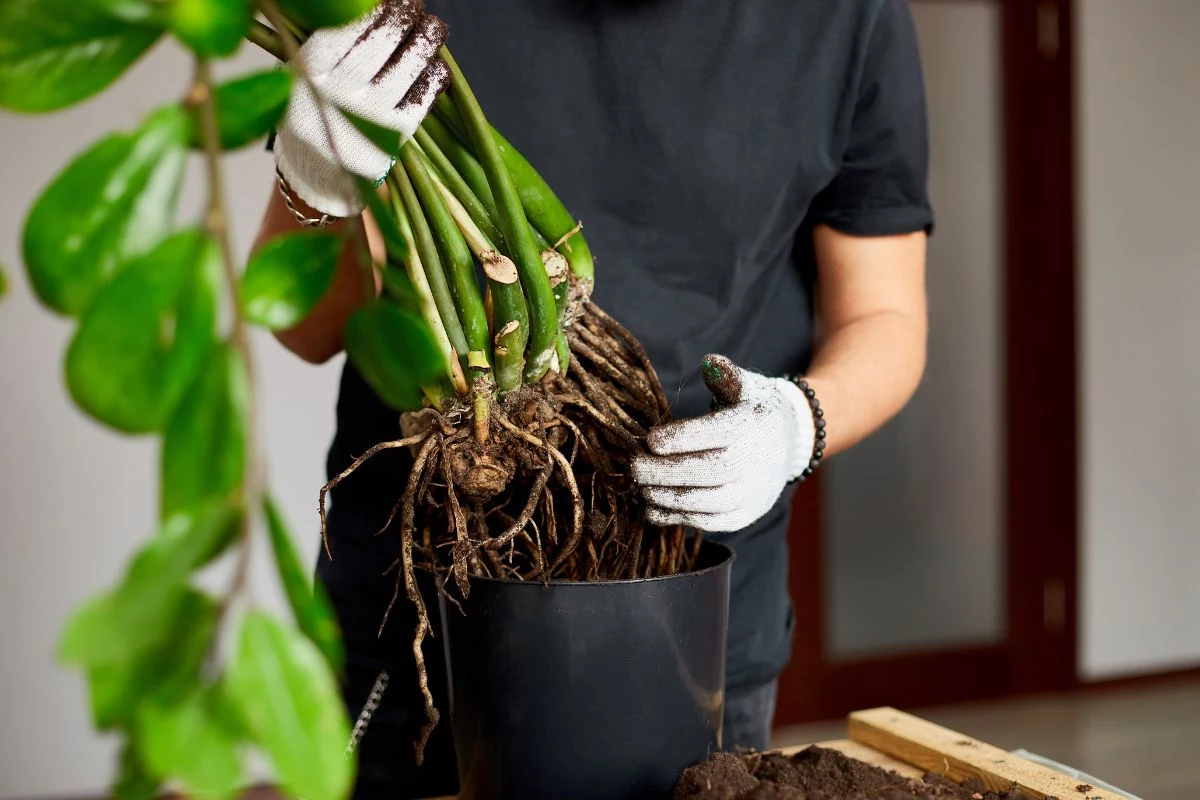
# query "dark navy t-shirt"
(699, 141)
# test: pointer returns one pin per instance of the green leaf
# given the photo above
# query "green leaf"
(247, 108)
(3, 283)
(385, 138)
(309, 603)
(313, 14)
(211, 27)
(395, 352)
(204, 448)
(139, 614)
(398, 286)
(194, 740)
(55, 53)
(134, 781)
(291, 706)
(287, 277)
(164, 673)
(145, 334)
(113, 202)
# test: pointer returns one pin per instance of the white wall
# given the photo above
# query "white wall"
(1139, 241)
(75, 499)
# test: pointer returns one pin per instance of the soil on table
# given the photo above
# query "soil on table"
(818, 773)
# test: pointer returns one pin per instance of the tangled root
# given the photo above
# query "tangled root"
(546, 495)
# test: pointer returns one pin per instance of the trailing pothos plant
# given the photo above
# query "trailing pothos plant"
(521, 401)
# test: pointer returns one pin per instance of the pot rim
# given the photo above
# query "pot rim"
(725, 562)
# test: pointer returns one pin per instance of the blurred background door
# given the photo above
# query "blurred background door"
(935, 562)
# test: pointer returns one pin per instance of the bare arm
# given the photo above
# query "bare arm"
(871, 303)
(319, 336)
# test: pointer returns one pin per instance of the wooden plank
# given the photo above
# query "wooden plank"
(945, 752)
(863, 753)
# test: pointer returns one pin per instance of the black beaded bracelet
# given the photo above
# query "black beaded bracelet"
(818, 422)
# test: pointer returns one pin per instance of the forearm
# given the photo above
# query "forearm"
(871, 300)
(865, 372)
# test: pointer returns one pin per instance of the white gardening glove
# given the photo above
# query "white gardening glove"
(382, 67)
(724, 470)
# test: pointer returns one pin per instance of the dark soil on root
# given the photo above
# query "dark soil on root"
(817, 773)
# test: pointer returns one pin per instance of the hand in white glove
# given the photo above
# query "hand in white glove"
(382, 67)
(723, 471)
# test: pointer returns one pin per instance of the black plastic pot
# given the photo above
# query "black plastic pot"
(588, 690)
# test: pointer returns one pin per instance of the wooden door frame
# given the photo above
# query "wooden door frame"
(1038, 652)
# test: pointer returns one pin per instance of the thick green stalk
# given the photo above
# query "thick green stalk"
(564, 353)
(456, 257)
(507, 300)
(449, 174)
(542, 207)
(453, 143)
(425, 299)
(431, 261)
(511, 335)
(543, 314)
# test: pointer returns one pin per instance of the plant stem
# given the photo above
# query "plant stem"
(545, 211)
(503, 303)
(216, 223)
(431, 261)
(543, 316)
(266, 38)
(453, 179)
(416, 274)
(455, 255)
(458, 154)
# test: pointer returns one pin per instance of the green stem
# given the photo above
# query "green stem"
(445, 127)
(456, 257)
(265, 37)
(425, 299)
(422, 239)
(545, 211)
(508, 303)
(450, 175)
(564, 353)
(543, 315)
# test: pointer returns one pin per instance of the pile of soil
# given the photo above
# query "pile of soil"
(818, 773)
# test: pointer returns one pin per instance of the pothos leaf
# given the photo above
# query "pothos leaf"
(144, 335)
(309, 603)
(395, 352)
(211, 27)
(247, 108)
(195, 739)
(137, 616)
(286, 278)
(134, 781)
(289, 700)
(55, 53)
(386, 139)
(203, 452)
(112, 203)
(313, 14)
(163, 673)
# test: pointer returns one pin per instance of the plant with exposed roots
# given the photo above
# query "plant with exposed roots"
(522, 443)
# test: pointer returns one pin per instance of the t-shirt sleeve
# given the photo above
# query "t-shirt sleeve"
(880, 186)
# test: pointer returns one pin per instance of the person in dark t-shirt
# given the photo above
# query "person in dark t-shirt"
(742, 170)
